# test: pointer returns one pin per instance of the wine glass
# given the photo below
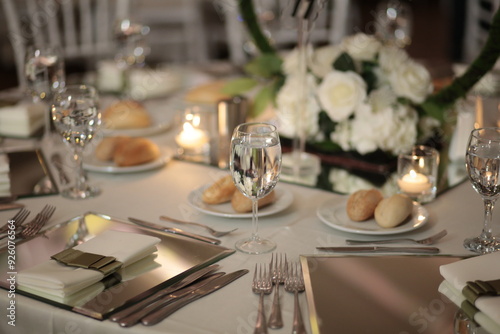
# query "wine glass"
(76, 117)
(255, 164)
(483, 166)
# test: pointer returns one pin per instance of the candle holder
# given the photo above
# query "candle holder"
(417, 173)
(193, 136)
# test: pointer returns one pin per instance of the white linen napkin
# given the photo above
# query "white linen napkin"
(4, 175)
(484, 268)
(22, 119)
(56, 279)
(458, 298)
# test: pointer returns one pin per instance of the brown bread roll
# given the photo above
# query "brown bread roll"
(220, 192)
(394, 210)
(105, 150)
(362, 203)
(242, 204)
(126, 114)
(135, 151)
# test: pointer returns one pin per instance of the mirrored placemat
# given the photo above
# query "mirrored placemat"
(372, 294)
(176, 257)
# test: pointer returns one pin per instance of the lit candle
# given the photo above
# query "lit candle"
(191, 138)
(414, 183)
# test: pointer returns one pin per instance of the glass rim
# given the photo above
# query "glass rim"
(263, 124)
(490, 129)
(424, 150)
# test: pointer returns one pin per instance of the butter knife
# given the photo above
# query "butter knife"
(216, 284)
(174, 230)
(164, 292)
(381, 249)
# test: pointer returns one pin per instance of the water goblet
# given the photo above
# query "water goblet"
(483, 166)
(255, 165)
(76, 117)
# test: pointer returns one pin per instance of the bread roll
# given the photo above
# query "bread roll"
(207, 93)
(394, 210)
(242, 204)
(105, 150)
(362, 203)
(126, 114)
(135, 151)
(220, 192)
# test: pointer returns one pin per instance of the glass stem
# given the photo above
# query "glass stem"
(488, 215)
(80, 173)
(255, 219)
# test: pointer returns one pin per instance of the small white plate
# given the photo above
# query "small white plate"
(333, 213)
(92, 164)
(283, 201)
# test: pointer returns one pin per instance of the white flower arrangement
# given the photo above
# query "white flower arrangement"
(366, 89)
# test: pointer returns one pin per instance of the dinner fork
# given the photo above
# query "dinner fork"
(17, 220)
(38, 222)
(294, 283)
(426, 241)
(262, 285)
(278, 270)
(208, 228)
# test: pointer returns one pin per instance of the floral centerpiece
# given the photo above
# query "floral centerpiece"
(362, 96)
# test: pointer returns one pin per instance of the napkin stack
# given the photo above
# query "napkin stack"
(53, 279)
(484, 268)
(4, 176)
(22, 119)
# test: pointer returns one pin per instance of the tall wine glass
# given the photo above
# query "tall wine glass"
(76, 117)
(255, 165)
(483, 167)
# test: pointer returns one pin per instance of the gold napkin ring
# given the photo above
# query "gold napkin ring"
(473, 290)
(469, 310)
(75, 258)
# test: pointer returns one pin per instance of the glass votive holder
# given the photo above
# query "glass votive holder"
(193, 133)
(417, 173)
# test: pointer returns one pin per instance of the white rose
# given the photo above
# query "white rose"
(340, 93)
(342, 135)
(288, 104)
(291, 61)
(321, 62)
(391, 57)
(362, 46)
(411, 80)
(382, 98)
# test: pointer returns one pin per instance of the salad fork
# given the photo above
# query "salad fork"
(278, 270)
(426, 241)
(294, 283)
(38, 222)
(18, 219)
(208, 228)
(262, 284)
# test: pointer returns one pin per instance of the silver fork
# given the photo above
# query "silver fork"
(208, 228)
(18, 219)
(262, 285)
(294, 283)
(426, 241)
(278, 268)
(38, 222)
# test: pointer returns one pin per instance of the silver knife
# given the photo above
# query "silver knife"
(381, 249)
(135, 317)
(10, 206)
(215, 285)
(164, 292)
(174, 230)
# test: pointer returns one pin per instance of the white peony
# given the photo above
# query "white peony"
(340, 93)
(362, 46)
(288, 102)
(411, 80)
(321, 62)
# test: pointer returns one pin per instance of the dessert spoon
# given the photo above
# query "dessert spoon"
(426, 241)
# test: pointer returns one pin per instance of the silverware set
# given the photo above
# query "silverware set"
(279, 271)
(158, 305)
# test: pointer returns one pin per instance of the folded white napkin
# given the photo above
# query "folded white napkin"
(56, 279)
(457, 298)
(484, 268)
(4, 175)
(22, 119)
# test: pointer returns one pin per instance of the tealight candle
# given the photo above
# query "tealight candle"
(414, 183)
(190, 138)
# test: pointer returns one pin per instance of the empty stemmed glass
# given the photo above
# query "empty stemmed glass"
(76, 117)
(483, 167)
(255, 164)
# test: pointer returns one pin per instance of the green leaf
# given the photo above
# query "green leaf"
(433, 109)
(238, 86)
(265, 66)
(344, 63)
(262, 100)
(368, 75)
(326, 125)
